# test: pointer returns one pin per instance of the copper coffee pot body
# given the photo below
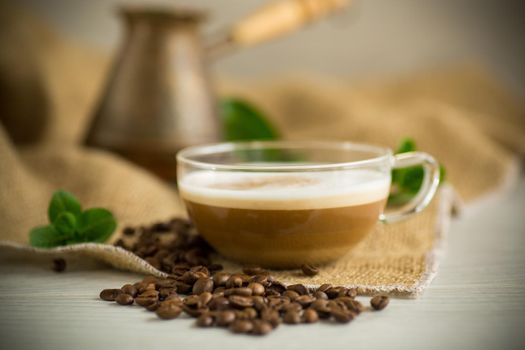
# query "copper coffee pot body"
(157, 98)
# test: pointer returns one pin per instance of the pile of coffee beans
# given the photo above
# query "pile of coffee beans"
(251, 302)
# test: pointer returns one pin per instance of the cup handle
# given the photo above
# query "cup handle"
(428, 187)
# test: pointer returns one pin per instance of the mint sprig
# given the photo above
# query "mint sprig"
(69, 224)
(406, 182)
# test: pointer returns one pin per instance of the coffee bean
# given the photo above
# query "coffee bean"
(320, 295)
(254, 270)
(305, 300)
(59, 265)
(241, 326)
(299, 288)
(324, 287)
(165, 292)
(192, 301)
(292, 317)
(259, 303)
(220, 278)
(271, 316)
(130, 289)
(261, 327)
(219, 303)
(310, 316)
(204, 320)
(332, 292)
(145, 301)
(124, 299)
(225, 318)
(205, 298)
(291, 294)
(265, 280)
(256, 288)
(379, 302)
(202, 285)
(194, 312)
(235, 281)
(168, 311)
(292, 306)
(243, 291)
(309, 270)
(250, 313)
(341, 316)
(240, 302)
(150, 293)
(110, 294)
(352, 293)
(183, 288)
(277, 287)
(153, 307)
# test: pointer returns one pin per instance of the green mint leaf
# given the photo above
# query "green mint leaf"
(63, 201)
(242, 121)
(406, 145)
(65, 223)
(96, 225)
(45, 237)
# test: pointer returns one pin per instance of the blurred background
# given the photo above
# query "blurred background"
(372, 38)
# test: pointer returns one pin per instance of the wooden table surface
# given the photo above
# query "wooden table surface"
(477, 301)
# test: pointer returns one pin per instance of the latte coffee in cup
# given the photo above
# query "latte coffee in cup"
(284, 219)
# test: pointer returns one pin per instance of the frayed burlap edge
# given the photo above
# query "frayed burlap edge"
(125, 260)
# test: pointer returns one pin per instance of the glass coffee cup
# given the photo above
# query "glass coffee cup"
(281, 204)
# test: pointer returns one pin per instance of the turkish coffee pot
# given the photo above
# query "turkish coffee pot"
(158, 97)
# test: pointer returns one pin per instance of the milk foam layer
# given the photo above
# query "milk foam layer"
(285, 191)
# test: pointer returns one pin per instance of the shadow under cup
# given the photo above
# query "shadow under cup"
(280, 204)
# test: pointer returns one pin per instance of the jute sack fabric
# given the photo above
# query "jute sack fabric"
(475, 129)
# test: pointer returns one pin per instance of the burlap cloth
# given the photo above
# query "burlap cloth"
(49, 85)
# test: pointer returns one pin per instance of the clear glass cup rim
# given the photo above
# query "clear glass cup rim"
(379, 155)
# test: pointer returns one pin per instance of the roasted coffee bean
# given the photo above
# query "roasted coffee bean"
(271, 292)
(265, 280)
(271, 316)
(324, 287)
(168, 311)
(165, 283)
(341, 316)
(128, 231)
(189, 277)
(259, 303)
(241, 326)
(379, 302)
(110, 294)
(145, 301)
(194, 312)
(146, 287)
(299, 288)
(219, 303)
(310, 316)
(220, 278)
(320, 295)
(352, 293)
(240, 302)
(192, 301)
(225, 318)
(124, 299)
(165, 292)
(130, 289)
(254, 270)
(333, 292)
(202, 285)
(183, 288)
(153, 307)
(243, 291)
(292, 295)
(161, 227)
(292, 317)
(204, 320)
(277, 286)
(256, 288)
(309, 270)
(235, 281)
(250, 313)
(219, 291)
(150, 293)
(352, 305)
(261, 327)
(205, 298)
(59, 265)
(292, 306)
(305, 300)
